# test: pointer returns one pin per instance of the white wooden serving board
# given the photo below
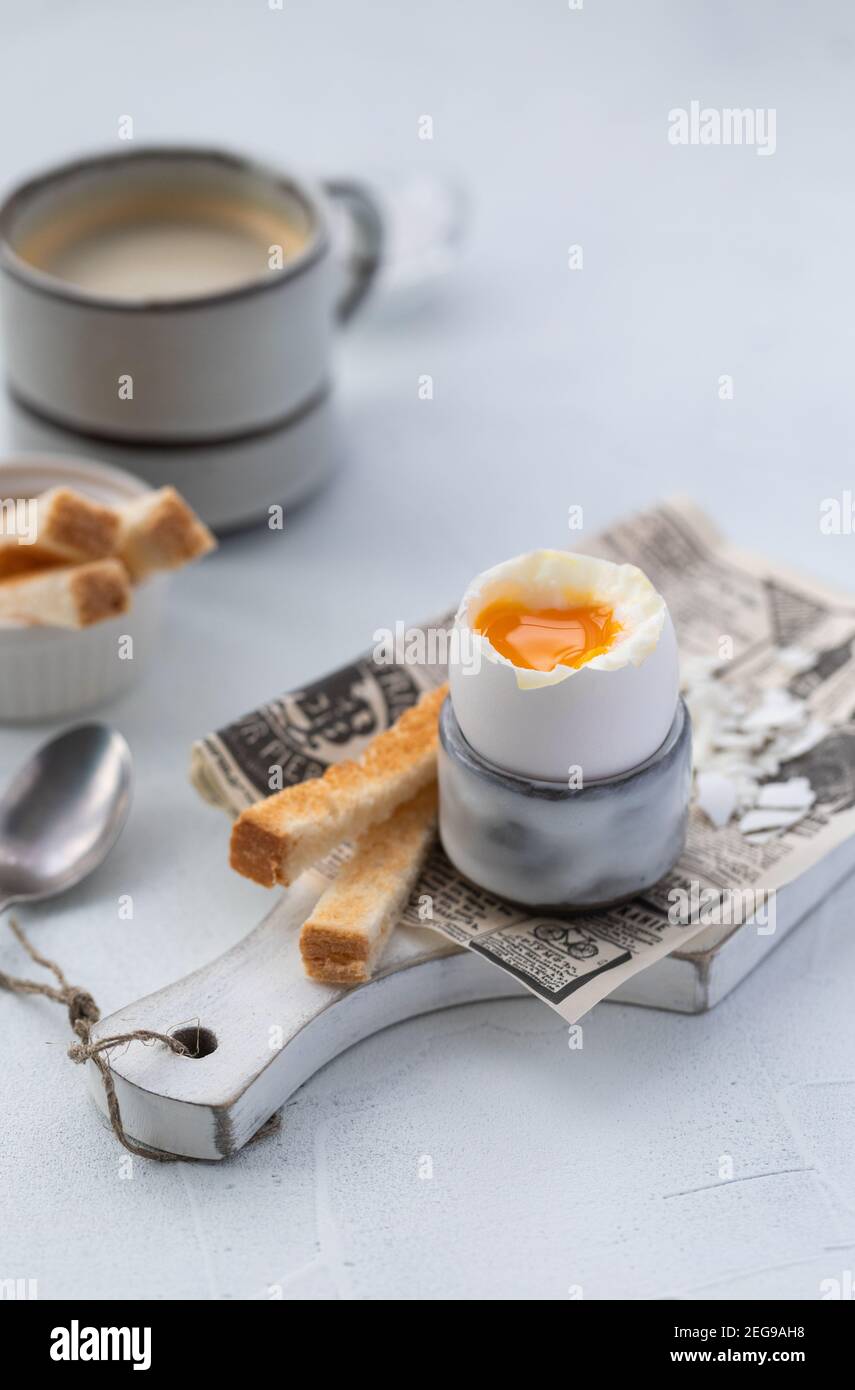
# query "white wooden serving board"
(208, 1107)
(718, 959)
(275, 1028)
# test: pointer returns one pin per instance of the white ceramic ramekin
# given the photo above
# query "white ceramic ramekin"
(46, 673)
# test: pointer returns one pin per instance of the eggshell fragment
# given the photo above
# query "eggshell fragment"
(716, 796)
(762, 819)
(793, 795)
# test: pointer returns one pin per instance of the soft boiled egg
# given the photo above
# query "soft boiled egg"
(564, 667)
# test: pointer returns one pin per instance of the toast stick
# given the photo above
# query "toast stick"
(160, 531)
(67, 528)
(277, 838)
(344, 937)
(71, 596)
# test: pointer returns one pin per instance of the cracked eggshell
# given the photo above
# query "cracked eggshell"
(605, 717)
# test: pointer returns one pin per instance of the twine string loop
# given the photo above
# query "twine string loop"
(83, 1013)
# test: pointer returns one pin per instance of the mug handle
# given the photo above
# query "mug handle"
(363, 238)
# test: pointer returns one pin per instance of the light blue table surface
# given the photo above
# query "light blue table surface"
(553, 1170)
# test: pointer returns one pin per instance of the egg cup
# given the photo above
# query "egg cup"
(550, 847)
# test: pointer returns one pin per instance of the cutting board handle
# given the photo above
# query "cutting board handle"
(263, 1028)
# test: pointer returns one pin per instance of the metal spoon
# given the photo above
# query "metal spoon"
(63, 812)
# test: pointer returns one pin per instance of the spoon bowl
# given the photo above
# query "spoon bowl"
(63, 812)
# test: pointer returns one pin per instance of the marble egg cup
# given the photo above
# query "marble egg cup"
(550, 847)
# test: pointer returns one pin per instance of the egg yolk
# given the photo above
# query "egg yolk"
(542, 638)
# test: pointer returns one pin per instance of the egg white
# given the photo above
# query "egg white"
(559, 579)
(606, 716)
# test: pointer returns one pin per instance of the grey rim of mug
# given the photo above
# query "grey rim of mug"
(28, 275)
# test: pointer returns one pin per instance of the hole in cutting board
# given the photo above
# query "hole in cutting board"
(200, 1042)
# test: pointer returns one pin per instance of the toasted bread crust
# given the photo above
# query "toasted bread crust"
(77, 527)
(277, 838)
(331, 972)
(339, 940)
(71, 529)
(72, 596)
(254, 851)
(160, 531)
(345, 935)
(72, 576)
(100, 591)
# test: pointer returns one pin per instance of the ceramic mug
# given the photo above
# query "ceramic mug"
(177, 295)
(229, 484)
